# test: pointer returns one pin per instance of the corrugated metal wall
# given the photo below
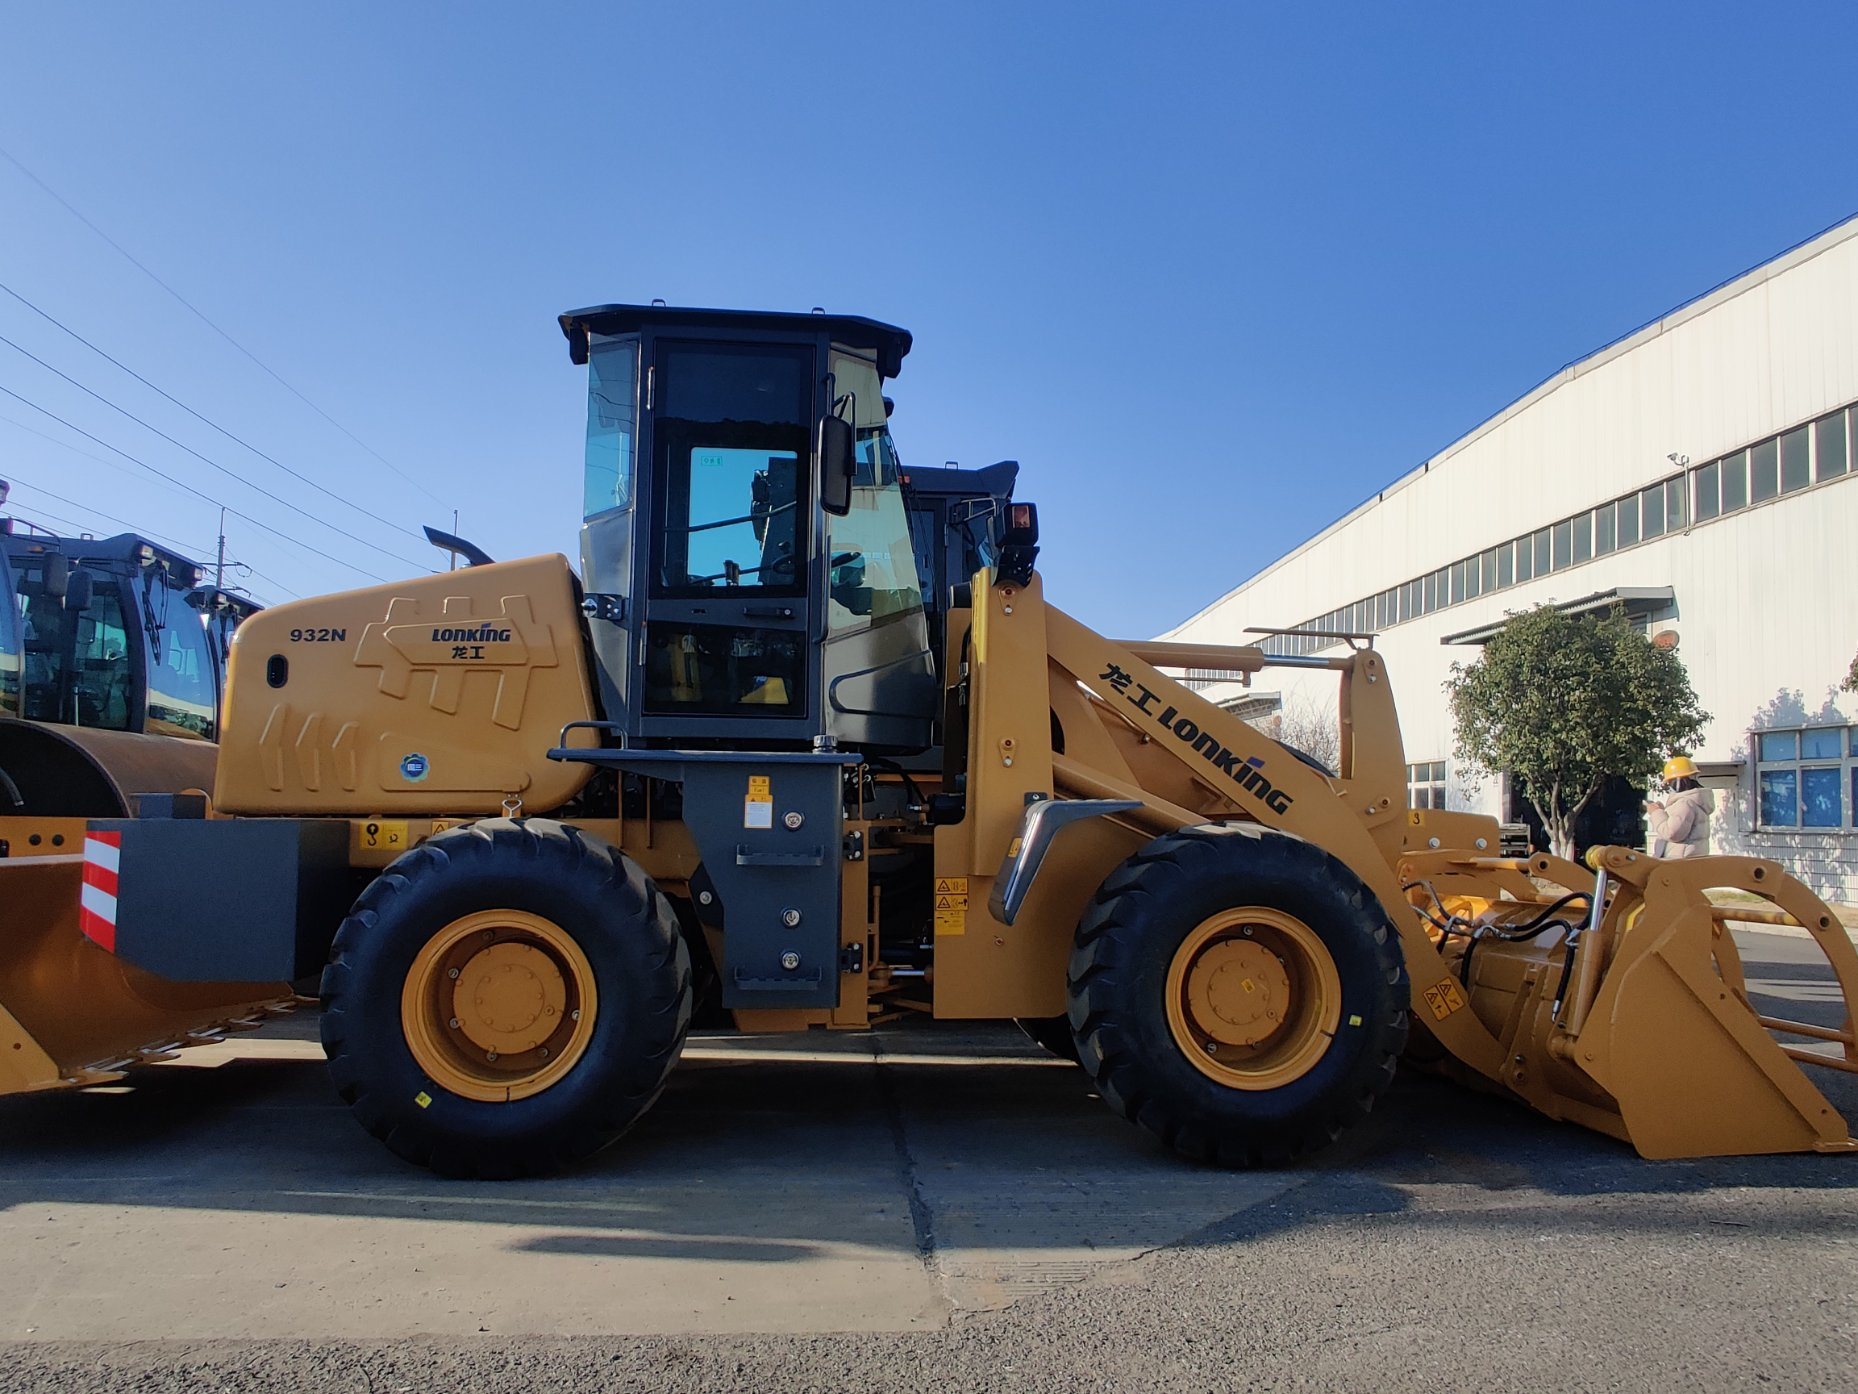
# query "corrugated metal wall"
(1767, 598)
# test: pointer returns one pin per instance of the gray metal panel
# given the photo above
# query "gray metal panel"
(234, 900)
(763, 874)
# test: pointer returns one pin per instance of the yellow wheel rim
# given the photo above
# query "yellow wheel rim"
(1253, 998)
(499, 1005)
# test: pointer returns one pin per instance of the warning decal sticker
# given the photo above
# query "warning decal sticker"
(951, 905)
(1444, 999)
(758, 807)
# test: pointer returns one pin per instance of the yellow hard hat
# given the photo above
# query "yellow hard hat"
(1679, 767)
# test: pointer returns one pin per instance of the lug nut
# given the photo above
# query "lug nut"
(790, 918)
(793, 820)
(452, 974)
(790, 960)
(454, 1023)
(704, 897)
(490, 1055)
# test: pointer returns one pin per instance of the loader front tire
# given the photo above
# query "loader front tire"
(1239, 994)
(505, 999)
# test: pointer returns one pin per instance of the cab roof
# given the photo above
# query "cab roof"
(888, 342)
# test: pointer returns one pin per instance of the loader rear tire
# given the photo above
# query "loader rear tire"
(1238, 993)
(468, 946)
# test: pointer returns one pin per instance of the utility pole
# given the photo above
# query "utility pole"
(219, 567)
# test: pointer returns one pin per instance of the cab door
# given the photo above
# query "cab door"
(729, 544)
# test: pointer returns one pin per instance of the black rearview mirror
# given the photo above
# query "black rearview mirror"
(838, 450)
(77, 591)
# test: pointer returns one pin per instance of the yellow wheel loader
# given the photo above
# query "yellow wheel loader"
(763, 761)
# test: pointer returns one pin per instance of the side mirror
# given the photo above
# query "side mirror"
(77, 591)
(838, 458)
(57, 575)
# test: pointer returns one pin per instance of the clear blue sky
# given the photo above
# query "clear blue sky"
(1212, 273)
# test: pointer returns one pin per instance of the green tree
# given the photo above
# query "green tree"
(1562, 703)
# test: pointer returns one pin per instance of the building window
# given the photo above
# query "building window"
(1803, 775)
(1829, 437)
(1564, 544)
(1735, 481)
(1764, 468)
(1651, 512)
(1425, 785)
(1626, 520)
(1796, 460)
(1706, 501)
(1583, 538)
(1540, 543)
(1603, 529)
(1525, 560)
(1674, 514)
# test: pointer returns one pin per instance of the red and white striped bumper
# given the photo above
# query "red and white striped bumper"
(97, 900)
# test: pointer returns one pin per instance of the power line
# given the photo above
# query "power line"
(237, 440)
(188, 488)
(14, 478)
(202, 317)
(305, 547)
(230, 474)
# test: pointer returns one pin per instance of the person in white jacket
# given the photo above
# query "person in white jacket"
(1680, 822)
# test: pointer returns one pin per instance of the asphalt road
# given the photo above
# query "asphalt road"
(913, 1209)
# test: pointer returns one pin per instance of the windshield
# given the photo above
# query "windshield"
(181, 683)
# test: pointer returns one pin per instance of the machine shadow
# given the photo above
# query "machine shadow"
(776, 1149)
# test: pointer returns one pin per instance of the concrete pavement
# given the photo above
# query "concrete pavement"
(899, 1208)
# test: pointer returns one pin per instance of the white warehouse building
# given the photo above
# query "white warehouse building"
(1698, 472)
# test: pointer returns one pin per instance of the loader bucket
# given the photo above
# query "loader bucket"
(1693, 1066)
(70, 1013)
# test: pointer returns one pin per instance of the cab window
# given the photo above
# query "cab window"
(731, 453)
(613, 372)
(9, 655)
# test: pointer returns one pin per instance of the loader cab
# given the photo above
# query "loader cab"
(745, 544)
(956, 520)
(106, 633)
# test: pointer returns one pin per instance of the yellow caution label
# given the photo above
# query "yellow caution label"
(1444, 999)
(1415, 817)
(423, 1099)
(758, 807)
(381, 835)
(951, 905)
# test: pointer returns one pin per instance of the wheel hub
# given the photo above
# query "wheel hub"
(509, 998)
(1239, 992)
